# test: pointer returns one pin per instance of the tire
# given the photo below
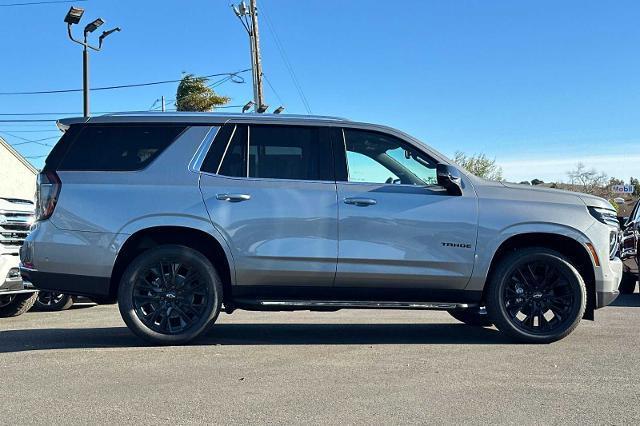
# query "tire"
(49, 301)
(160, 305)
(12, 306)
(628, 283)
(543, 287)
(476, 317)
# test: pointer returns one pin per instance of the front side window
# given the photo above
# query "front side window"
(118, 147)
(279, 152)
(374, 157)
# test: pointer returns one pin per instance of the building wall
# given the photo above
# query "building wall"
(17, 178)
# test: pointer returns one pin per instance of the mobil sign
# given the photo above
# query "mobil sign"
(623, 189)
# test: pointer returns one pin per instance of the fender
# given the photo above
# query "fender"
(175, 220)
(486, 251)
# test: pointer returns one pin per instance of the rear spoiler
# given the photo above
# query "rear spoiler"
(64, 123)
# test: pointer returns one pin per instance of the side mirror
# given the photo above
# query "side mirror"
(449, 178)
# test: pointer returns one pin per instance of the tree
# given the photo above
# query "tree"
(589, 181)
(525, 182)
(193, 94)
(480, 165)
(537, 182)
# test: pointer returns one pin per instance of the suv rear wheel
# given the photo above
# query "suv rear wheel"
(536, 296)
(49, 301)
(170, 294)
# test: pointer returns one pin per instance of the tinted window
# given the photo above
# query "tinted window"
(280, 152)
(60, 149)
(216, 151)
(374, 157)
(235, 157)
(118, 148)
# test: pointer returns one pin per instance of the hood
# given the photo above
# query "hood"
(587, 199)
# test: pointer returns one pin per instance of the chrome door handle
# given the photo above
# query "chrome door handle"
(360, 202)
(234, 198)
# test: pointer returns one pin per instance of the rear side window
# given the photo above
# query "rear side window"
(118, 148)
(279, 152)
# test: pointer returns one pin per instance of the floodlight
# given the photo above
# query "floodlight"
(248, 106)
(106, 33)
(279, 110)
(93, 26)
(262, 109)
(74, 15)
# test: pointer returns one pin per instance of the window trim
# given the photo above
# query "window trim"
(403, 142)
(195, 165)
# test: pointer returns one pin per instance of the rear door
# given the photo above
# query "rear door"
(398, 229)
(272, 194)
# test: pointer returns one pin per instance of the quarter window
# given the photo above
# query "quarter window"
(374, 157)
(118, 148)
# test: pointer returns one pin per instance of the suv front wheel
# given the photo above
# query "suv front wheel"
(536, 296)
(170, 294)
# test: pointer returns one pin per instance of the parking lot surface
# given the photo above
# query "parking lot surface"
(358, 367)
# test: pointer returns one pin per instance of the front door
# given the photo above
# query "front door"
(398, 229)
(273, 197)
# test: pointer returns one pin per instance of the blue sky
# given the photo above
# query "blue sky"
(537, 85)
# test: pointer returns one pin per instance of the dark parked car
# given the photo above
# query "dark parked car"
(629, 251)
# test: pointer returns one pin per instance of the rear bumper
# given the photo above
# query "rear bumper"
(77, 285)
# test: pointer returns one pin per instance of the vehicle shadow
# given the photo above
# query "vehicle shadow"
(627, 300)
(259, 334)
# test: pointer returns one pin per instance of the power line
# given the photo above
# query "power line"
(120, 86)
(273, 88)
(287, 63)
(33, 3)
(30, 141)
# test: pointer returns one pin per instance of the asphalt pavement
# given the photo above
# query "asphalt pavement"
(356, 367)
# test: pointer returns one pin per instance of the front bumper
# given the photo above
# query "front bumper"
(608, 277)
(11, 281)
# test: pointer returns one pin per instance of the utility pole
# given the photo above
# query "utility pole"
(248, 16)
(163, 108)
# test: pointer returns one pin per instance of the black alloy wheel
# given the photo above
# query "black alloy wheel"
(52, 301)
(170, 294)
(6, 300)
(536, 295)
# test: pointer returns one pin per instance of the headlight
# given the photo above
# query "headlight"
(606, 216)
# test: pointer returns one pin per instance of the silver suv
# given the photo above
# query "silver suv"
(179, 216)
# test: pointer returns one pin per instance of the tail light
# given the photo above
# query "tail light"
(47, 191)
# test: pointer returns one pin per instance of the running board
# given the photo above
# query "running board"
(351, 304)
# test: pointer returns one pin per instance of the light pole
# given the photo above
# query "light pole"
(73, 17)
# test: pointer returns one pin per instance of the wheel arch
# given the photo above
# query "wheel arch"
(569, 247)
(144, 239)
